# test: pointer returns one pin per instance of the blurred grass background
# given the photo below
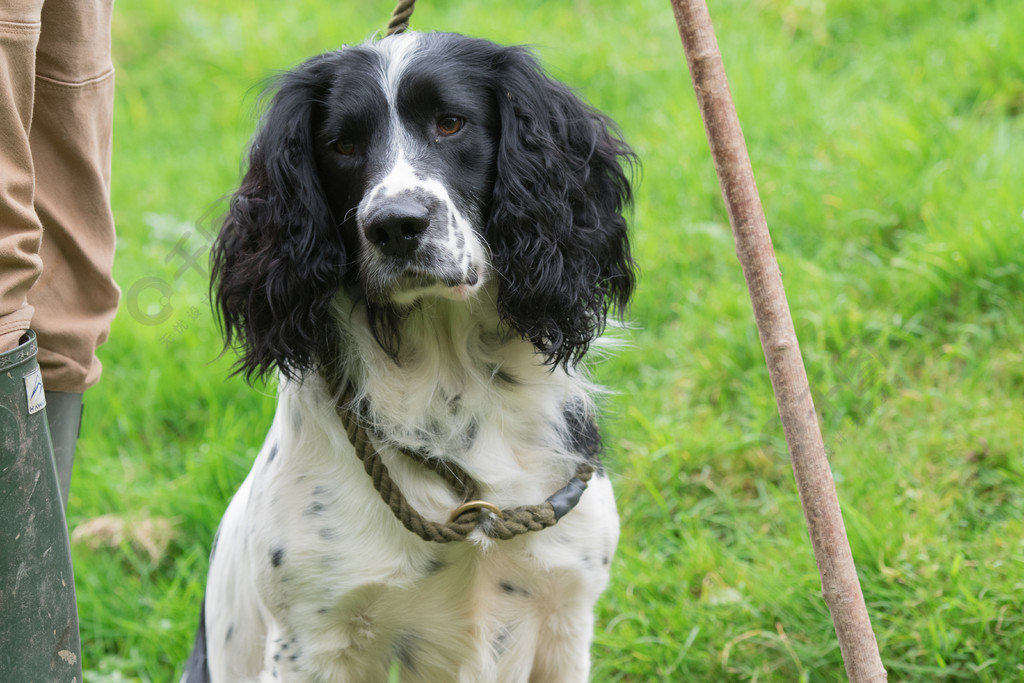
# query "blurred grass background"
(888, 142)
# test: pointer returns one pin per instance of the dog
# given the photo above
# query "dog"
(429, 237)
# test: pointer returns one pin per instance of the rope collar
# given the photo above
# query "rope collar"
(472, 514)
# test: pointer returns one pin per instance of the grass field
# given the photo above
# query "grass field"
(888, 142)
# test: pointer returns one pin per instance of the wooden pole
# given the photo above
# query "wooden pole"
(840, 586)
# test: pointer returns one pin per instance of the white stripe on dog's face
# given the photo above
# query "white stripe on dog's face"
(397, 52)
(450, 260)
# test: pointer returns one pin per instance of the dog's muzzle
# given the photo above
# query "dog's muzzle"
(416, 242)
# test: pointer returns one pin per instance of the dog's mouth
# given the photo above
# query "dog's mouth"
(404, 282)
(447, 283)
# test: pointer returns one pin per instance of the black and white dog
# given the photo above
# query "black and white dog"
(431, 222)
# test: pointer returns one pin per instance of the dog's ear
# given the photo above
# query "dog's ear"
(277, 263)
(556, 228)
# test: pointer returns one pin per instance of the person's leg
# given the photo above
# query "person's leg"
(39, 623)
(56, 97)
(75, 298)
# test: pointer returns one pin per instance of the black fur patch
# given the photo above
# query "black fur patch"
(511, 589)
(404, 648)
(197, 668)
(435, 566)
(501, 640)
(582, 435)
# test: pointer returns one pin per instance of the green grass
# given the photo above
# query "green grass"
(888, 142)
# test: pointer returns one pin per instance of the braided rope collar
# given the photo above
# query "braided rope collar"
(473, 513)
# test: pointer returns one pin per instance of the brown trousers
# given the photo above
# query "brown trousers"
(56, 226)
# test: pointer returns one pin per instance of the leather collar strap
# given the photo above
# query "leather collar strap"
(473, 514)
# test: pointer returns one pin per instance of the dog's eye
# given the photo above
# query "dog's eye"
(345, 147)
(450, 125)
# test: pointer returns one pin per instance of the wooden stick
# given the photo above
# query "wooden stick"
(840, 586)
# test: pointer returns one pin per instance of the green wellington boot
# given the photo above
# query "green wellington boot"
(39, 638)
(64, 418)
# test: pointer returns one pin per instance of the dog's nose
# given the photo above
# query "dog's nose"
(395, 228)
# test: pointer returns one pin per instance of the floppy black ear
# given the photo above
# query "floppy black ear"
(278, 262)
(556, 229)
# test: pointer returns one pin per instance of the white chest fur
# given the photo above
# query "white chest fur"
(314, 579)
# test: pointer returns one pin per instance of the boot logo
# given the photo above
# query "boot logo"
(34, 391)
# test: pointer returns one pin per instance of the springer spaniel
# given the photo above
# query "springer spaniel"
(428, 238)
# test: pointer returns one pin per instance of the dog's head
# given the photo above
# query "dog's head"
(423, 165)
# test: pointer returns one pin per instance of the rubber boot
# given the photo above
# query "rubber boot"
(64, 418)
(39, 638)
